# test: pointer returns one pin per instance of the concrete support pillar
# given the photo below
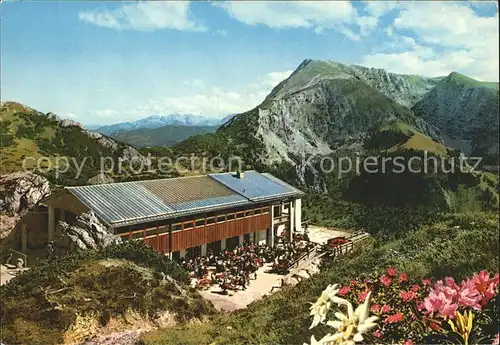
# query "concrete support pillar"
(271, 240)
(204, 249)
(182, 254)
(223, 245)
(24, 239)
(261, 237)
(52, 223)
(291, 218)
(241, 240)
(298, 214)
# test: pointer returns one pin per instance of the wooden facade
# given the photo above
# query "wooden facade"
(184, 234)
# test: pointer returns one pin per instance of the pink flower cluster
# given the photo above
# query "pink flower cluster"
(446, 297)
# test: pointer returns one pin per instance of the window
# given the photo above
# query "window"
(200, 222)
(230, 216)
(248, 213)
(188, 225)
(211, 220)
(176, 227)
(257, 211)
(221, 218)
(240, 215)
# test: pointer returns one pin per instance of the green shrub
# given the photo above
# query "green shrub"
(456, 245)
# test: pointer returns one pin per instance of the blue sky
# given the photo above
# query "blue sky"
(107, 62)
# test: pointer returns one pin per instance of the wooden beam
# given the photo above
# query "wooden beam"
(170, 238)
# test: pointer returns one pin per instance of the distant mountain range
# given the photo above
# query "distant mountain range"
(156, 121)
(26, 132)
(324, 109)
(162, 136)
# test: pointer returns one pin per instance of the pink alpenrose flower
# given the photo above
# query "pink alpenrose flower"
(426, 282)
(391, 271)
(362, 296)
(395, 318)
(385, 280)
(385, 309)
(344, 290)
(403, 277)
(408, 295)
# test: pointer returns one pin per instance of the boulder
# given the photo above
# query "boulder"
(20, 191)
(101, 178)
(86, 233)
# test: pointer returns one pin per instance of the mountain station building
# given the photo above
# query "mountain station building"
(186, 216)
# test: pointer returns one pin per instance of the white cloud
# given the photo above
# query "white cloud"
(222, 32)
(194, 83)
(316, 15)
(145, 16)
(380, 8)
(448, 24)
(106, 113)
(280, 14)
(213, 102)
(448, 37)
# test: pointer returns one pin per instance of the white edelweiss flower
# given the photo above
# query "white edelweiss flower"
(351, 327)
(320, 308)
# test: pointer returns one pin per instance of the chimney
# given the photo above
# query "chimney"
(240, 174)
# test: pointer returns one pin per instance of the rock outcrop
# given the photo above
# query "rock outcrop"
(19, 192)
(100, 178)
(86, 233)
(466, 113)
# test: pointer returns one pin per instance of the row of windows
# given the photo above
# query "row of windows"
(139, 233)
(218, 219)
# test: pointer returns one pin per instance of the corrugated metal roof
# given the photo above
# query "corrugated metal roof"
(283, 183)
(254, 186)
(119, 202)
(210, 204)
(184, 189)
(129, 203)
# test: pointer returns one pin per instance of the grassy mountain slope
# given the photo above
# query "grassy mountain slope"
(405, 89)
(466, 111)
(319, 108)
(26, 132)
(162, 136)
(329, 110)
(90, 292)
(437, 249)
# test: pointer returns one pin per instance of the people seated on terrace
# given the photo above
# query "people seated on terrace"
(233, 269)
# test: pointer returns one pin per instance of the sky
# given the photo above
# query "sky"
(108, 62)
